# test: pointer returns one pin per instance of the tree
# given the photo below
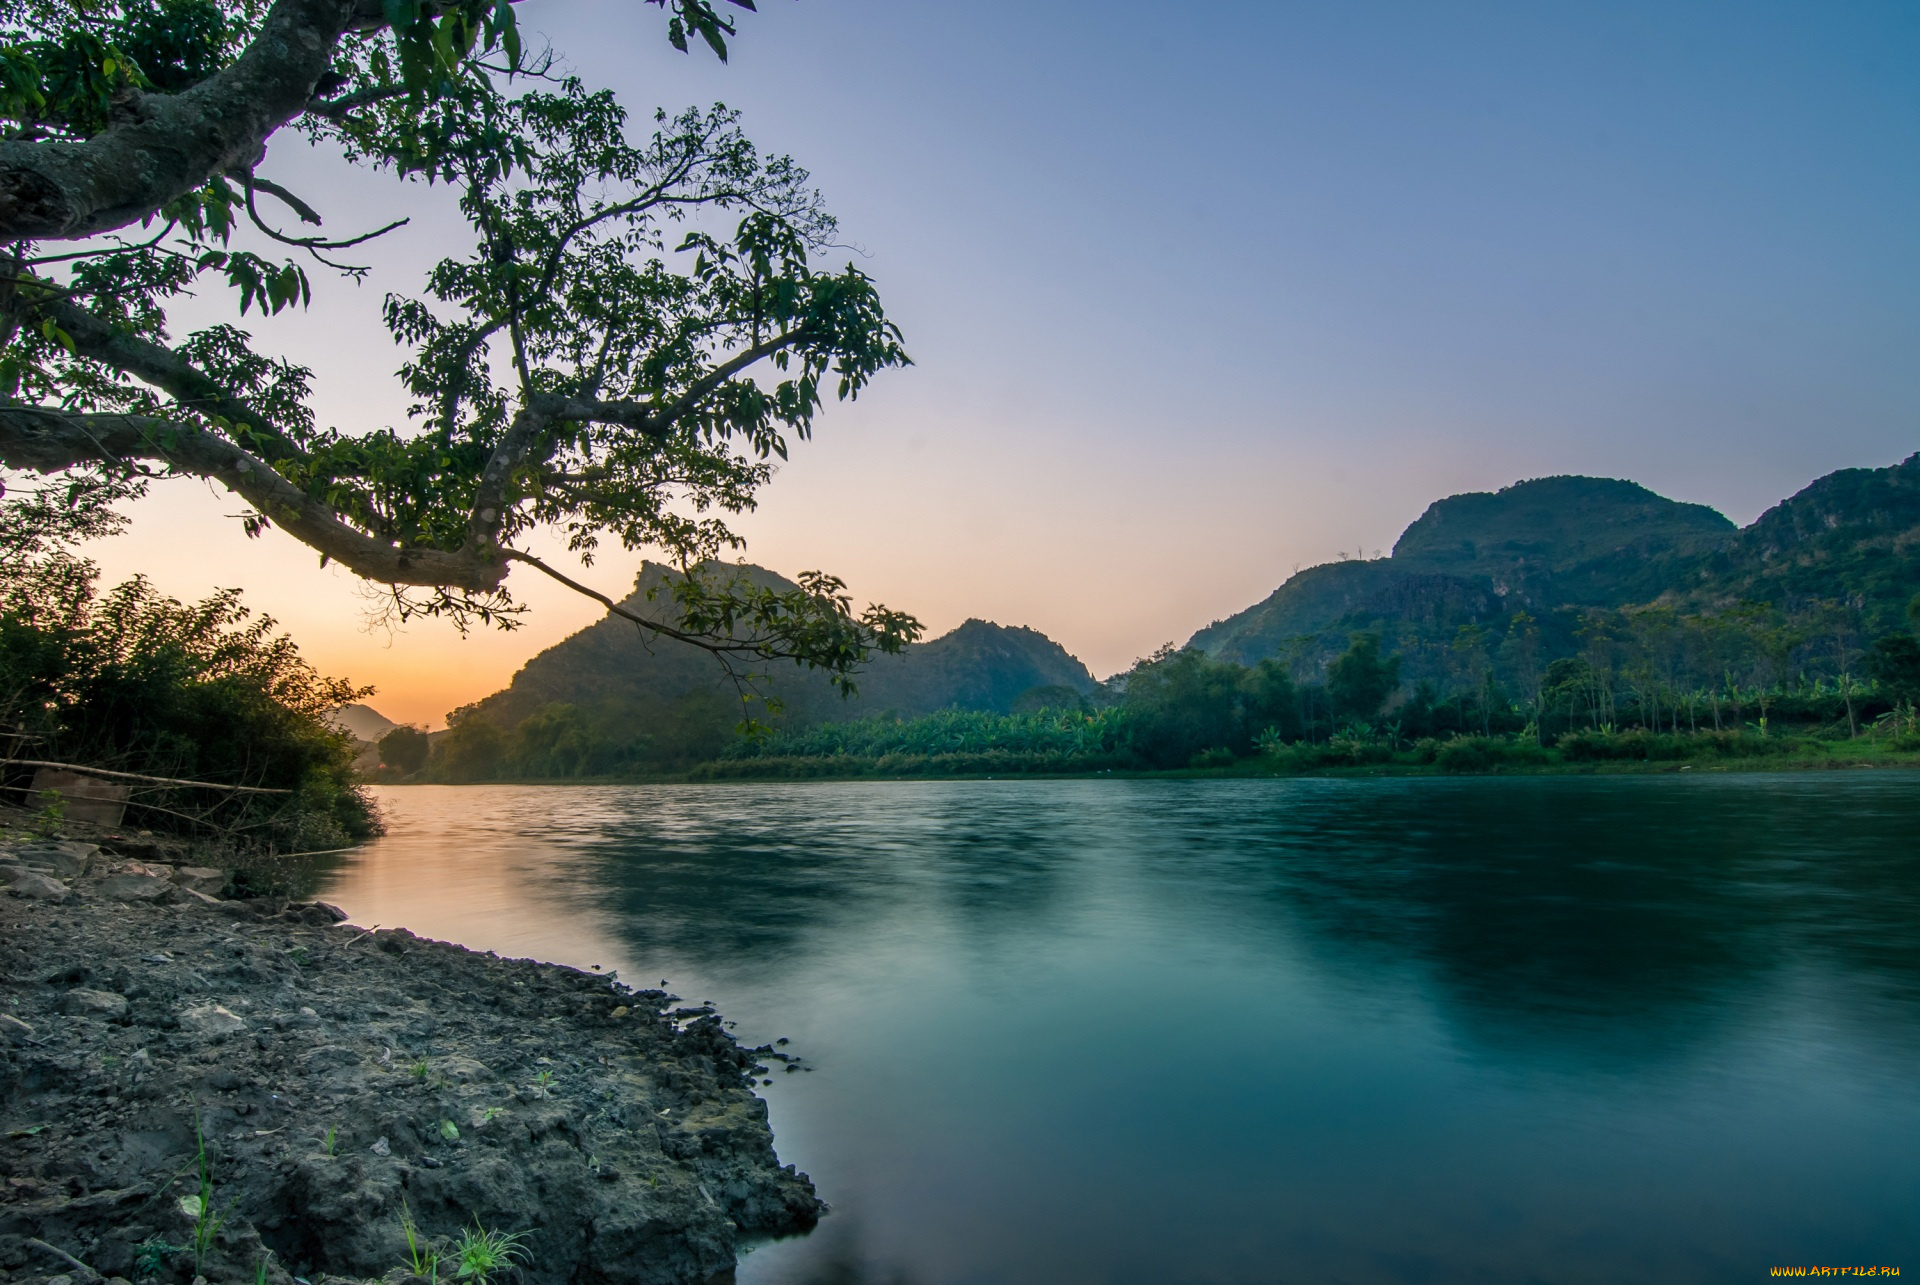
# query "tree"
(134, 681)
(404, 749)
(1894, 665)
(1359, 680)
(1179, 703)
(637, 327)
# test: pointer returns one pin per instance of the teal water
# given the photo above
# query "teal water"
(1536, 1030)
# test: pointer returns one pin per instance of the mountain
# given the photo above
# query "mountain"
(362, 722)
(1851, 534)
(1573, 542)
(978, 666)
(1532, 546)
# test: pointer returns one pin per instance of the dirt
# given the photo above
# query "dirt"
(322, 1085)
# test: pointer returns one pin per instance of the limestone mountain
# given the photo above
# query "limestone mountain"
(1555, 543)
(1854, 534)
(1532, 546)
(978, 666)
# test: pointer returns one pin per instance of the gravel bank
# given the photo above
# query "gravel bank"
(341, 1081)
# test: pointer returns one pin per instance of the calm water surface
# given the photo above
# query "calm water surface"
(1550, 1030)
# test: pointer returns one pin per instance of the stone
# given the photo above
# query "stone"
(31, 883)
(66, 858)
(202, 879)
(211, 1019)
(128, 886)
(13, 1028)
(91, 1003)
(380, 1147)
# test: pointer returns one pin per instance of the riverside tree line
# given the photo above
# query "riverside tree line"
(1579, 685)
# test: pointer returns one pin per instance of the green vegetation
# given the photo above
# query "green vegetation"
(666, 290)
(1185, 710)
(423, 1256)
(1555, 606)
(483, 1254)
(199, 1207)
(605, 704)
(404, 750)
(134, 681)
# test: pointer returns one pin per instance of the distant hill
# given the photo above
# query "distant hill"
(362, 722)
(978, 666)
(1569, 542)
(1854, 533)
(1531, 546)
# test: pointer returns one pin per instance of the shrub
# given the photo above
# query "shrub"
(1486, 754)
(404, 749)
(140, 682)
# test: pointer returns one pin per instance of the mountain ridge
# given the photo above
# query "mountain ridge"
(1577, 542)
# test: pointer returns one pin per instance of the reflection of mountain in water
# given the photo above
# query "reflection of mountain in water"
(1593, 921)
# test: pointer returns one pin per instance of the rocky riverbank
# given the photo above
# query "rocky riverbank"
(248, 1090)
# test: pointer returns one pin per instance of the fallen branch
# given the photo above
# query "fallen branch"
(138, 776)
(63, 1256)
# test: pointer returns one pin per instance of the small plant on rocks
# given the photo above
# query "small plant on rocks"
(482, 1254)
(423, 1258)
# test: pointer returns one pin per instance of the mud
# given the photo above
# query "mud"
(323, 1084)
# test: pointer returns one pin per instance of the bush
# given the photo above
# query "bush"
(1486, 754)
(404, 749)
(139, 682)
(1643, 746)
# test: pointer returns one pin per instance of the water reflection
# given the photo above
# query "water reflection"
(1559, 1029)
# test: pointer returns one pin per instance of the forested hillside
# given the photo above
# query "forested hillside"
(1554, 608)
(1547, 567)
(612, 699)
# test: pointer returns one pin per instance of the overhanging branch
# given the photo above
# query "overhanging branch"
(41, 440)
(163, 146)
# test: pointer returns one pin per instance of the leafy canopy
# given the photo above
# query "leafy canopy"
(639, 326)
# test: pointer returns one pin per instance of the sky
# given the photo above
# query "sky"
(1198, 296)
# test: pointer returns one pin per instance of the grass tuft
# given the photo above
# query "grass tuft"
(482, 1253)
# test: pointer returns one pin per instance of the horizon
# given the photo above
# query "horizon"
(1190, 313)
(374, 702)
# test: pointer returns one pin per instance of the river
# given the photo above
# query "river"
(1554, 1029)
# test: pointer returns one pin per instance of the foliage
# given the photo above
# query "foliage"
(482, 1254)
(1360, 680)
(1894, 664)
(1179, 705)
(404, 749)
(639, 325)
(137, 681)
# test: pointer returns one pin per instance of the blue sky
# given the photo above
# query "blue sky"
(1199, 295)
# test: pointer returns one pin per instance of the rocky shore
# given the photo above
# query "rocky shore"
(199, 1086)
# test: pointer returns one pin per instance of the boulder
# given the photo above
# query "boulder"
(128, 886)
(31, 883)
(203, 879)
(64, 858)
(90, 1003)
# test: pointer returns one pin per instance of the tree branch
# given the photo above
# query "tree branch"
(41, 440)
(167, 145)
(731, 646)
(155, 364)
